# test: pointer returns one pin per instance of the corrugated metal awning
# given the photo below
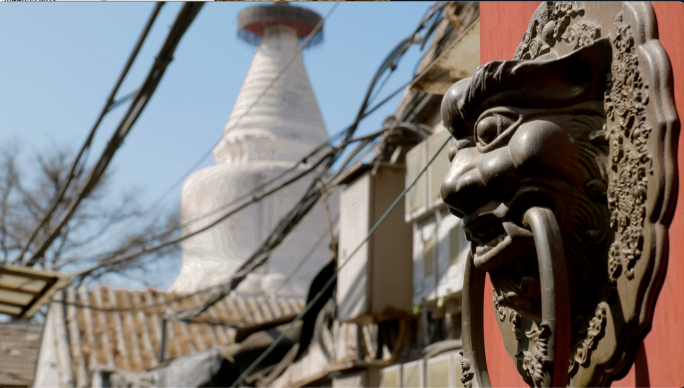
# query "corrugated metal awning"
(458, 61)
(23, 290)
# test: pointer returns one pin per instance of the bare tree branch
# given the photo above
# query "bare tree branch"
(25, 194)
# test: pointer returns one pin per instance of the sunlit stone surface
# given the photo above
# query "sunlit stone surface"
(259, 143)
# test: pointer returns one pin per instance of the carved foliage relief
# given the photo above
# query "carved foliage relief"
(625, 104)
(553, 26)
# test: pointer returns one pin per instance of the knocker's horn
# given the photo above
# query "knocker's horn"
(555, 300)
(474, 364)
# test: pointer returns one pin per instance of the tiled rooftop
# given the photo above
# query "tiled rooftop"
(19, 344)
(131, 340)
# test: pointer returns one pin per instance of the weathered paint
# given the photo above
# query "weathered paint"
(658, 362)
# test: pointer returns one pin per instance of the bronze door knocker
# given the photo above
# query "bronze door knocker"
(563, 170)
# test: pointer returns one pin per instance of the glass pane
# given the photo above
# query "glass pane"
(412, 375)
(454, 244)
(428, 257)
(415, 162)
(438, 374)
(390, 378)
(440, 167)
(458, 370)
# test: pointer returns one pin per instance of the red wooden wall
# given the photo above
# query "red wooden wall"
(660, 361)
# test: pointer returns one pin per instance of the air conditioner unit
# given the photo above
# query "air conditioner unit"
(374, 284)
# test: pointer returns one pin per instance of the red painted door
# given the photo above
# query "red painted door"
(660, 360)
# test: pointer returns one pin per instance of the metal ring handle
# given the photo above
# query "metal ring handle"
(555, 306)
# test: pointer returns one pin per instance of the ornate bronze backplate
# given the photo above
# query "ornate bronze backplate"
(576, 137)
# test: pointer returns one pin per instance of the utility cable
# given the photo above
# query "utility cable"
(310, 197)
(396, 53)
(264, 185)
(109, 105)
(256, 198)
(192, 294)
(208, 152)
(293, 217)
(306, 158)
(183, 21)
(320, 293)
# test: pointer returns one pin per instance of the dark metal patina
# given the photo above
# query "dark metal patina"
(563, 169)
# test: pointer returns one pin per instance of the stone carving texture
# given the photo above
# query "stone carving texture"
(501, 310)
(535, 359)
(552, 27)
(594, 332)
(466, 374)
(625, 104)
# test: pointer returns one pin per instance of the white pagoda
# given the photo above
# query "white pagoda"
(260, 141)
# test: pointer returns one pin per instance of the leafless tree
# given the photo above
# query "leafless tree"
(28, 185)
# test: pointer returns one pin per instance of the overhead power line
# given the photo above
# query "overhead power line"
(182, 23)
(249, 195)
(256, 198)
(311, 196)
(197, 292)
(388, 63)
(330, 281)
(109, 105)
(287, 223)
(281, 71)
(346, 130)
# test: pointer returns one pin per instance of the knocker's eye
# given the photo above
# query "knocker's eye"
(491, 126)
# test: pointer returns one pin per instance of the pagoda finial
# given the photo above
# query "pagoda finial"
(253, 21)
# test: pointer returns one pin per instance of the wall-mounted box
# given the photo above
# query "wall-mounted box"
(351, 381)
(441, 371)
(374, 284)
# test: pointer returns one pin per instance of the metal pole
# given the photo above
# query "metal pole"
(162, 350)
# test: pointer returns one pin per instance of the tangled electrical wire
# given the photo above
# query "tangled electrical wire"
(323, 177)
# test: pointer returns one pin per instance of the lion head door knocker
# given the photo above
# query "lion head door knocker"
(562, 168)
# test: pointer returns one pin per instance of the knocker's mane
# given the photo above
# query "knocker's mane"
(550, 83)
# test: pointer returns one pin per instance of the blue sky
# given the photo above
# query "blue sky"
(60, 61)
